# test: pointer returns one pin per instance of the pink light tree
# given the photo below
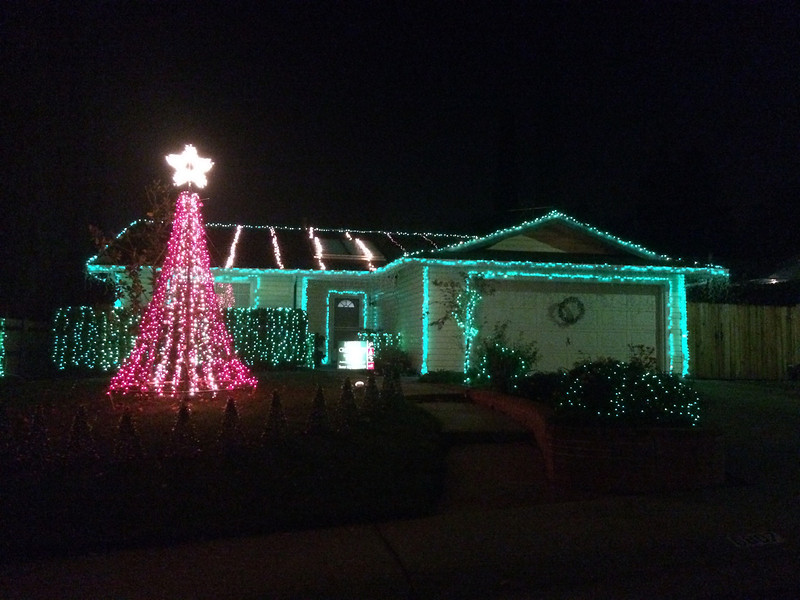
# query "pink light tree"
(183, 346)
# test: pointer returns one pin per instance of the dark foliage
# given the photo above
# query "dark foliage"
(545, 387)
(612, 391)
(277, 426)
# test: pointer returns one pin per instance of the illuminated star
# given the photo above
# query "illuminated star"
(189, 168)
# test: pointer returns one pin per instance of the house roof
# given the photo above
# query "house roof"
(554, 238)
(288, 248)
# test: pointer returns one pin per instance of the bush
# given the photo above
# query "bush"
(544, 387)
(501, 365)
(609, 390)
(390, 355)
(447, 377)
(393, 360)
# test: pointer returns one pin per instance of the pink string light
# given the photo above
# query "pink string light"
(183, 345)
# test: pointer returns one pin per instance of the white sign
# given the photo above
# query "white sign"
(356, 355)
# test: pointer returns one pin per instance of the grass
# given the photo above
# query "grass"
(388, 466)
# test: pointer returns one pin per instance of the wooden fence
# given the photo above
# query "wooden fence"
(732, 341)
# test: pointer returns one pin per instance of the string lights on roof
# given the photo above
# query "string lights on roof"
(395, 242)
(276, 248)
(232, 255)
(366, 252)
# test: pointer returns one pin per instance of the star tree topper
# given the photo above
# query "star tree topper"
(189, 167)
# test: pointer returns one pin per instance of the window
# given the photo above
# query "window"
(233, 295)
(346, 316)
(241, 294)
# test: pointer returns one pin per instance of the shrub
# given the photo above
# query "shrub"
(500, 364)
(390, 355)
(442, 376)
(393, 360)
(609, 390)
(544, 387)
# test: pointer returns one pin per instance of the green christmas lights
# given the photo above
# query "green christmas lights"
(613, 390)
(555, 216)
(676, 288)
(382, 341)
(88, 338)
(270, 336)
(426, 300)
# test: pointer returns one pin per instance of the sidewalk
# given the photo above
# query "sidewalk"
(501, 533)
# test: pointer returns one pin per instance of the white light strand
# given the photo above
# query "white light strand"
(317, 248)
(429, 240)
(276, 248)
(395, 242)
(367, 254)
(232, 253)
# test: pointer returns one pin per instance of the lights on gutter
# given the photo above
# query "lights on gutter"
(232, 254)
(276, 248)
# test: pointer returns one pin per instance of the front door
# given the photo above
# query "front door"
(346, 320)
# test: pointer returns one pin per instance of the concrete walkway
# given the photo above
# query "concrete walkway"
(502, 532)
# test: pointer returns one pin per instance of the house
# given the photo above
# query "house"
(576, 291)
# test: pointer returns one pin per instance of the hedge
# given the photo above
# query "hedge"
(88, 338)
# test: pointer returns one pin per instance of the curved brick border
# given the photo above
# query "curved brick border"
(626, 460)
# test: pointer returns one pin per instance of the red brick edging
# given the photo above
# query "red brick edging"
(626, 460)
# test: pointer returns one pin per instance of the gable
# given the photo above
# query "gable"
(553, 238)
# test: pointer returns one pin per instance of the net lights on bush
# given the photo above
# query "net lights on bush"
(270, 336)
(88, 338)
(183, 345)
(613, 390)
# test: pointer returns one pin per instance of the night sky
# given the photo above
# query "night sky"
(675, 126)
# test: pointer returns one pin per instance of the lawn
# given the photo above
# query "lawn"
(390, 464)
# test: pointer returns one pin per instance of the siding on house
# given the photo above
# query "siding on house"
(445, 342)
(401, 305)
(616, 317)
(275, 291)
